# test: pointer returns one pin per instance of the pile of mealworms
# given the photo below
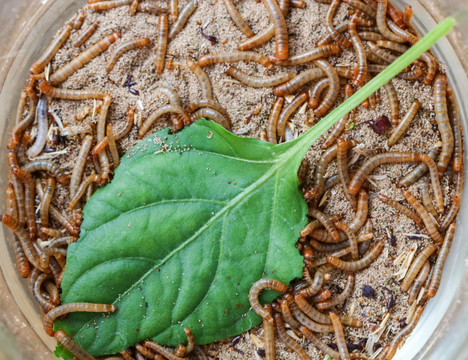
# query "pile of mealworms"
(375, 32)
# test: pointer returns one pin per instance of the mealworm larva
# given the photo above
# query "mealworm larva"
(308, 56)
(126, 355)
(61, 241)
(255, 290)
(329, 247)
(432, 67)
(273, 119)
(174, 9)
(258, 81)
(362, 6)
(68, 343)
(112, 146)
(68, 94)
(213, 115)
(80, 162)
(203, 79)
(50, 317)
(237, 18)
(42, 128)
(150, 8)
(392, 45)
(161, 47)
(404, 123)
(403, 333)
(93, 178)
(381, 53)
(100, 146)
(401, 208)
(125, 130)
(318, 343)
(281, 29)
(426, 199)
(314, 285)
(134, 7)
(360, 264)
(269, 336)
(235, 56)
(36, 291)
(184, 15)
(419, 170)
(414, 74)
(394, 104)
(45, 203)
(157, 114)
(326, 222)
(370, 36)
(443, 123)
(451, 214)
(321, 296)
(100, 132)
(339, 336)
(161, 350)
(301, 4)
(338, 299)
(28, 183)
(418, 282)
(316, 91)
(333, 89)
(361, 213)
(287, 112)
(86, 35)
(210, 103)
(21, 259)
(81, 60)
(340, 125)
(12, 206)
(50, 167)
(145, 353)
(311, 226)
(288, 341)
(307, 321)
(456, 127)
(338, 37)
(402, 33)
(50, 52)
(190, 341)
(359, 49)
(382, 24)
(123, 48)
(287, 316)
(107, 5)
(17, 186)
(53, 292)
(342, 164)
(77, 21)
(298, 81)
(56, 270)
(353, 243)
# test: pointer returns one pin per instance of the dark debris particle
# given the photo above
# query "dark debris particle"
(391, 239)
(368, 291)
(49, 150)
(333, 346)
(210, 38)
(261, 353)
(390, 302)
(133, 91)
(380, 125)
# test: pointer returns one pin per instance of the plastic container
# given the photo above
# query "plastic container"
(442, 332)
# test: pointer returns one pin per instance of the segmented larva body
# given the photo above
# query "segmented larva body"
(338, 37)
(418, 282)
(404, 123)
(288, 341)
(210, 103)
(361, 214)
(68, 94)
(360, 264)
(384, 55)
(432, 67)
(168, 109)
(391, 45)
(331, 247)
(235, 56)
(126, 355)
(298, 81)
(93, 178)
(273, 120)
(45, 203)
(352, 238)
(287, 316)
(318, 343)
(307, 321)
(50, 52)
(419, 170)
(339, 336)
(443, 122)
(255, 290)
(37, 293)
(314, 285)
(86, 35)
(203, 79)
(359, 49)
(394, 104)
(258, 81)
(112, 146)
(150, 8)
(382, 22)
(361, 6)
(213, 115)
(321, 296)
(457, 130)
(28, 183)
(184, 15)
(316, 91)
(42, 128)
(416, 265)
(333, 89)
(439, 265)
(123, 48)
(161, 47)
(426, 199)
(80, 162)
(50, 167)
(342, 164)
(269, 336)
(407, 36)
(414, 74)
(401, 208)
(338, 299)
(451, 214)
(370, 36)
(134, 7)
(161, 350)
(81, 60)
(21, 259)
(281, 29)
(78, 20)
(308, 56)
(326, 222)
(107, 5)
(68, 343)
(237, 18)
(125, 130)
(340, 125)
(288, 111)
(12, 206)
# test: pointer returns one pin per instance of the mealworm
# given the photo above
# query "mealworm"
(161, 350)
(50, 52)
(404, 123)
(382, 24)
(418, 282)
(311, 226)
(281, 30)
(61, 241)
(203, 79)
(145, 353)
(419, 170)
(81, 60)
(125, 130)
(287, 316)
(308, 56)
(316, 92)
(426, 199)
(86, 35)
(77, 21)
(36, 291)
(21, 259)
(50, 167)
(353, 243)
(12, 206)
(307, 321)
(329, 247)
(403, 333)
(237, 18)
(393, 100)
(80, 162)
(45, 203)
(258, 81)
(150, 8)
(338, 37)
(338, 299)
(318, 343)
(310, 311)
(342, 28)
(333, 89)
(301, 4)
(288, 341)
(213, 115)
(392, 45)
(68, 94)
(50, 317)
(42, 128)
(53, 292)
(184, 15)
(298, 81)
(414, 74)
(107, 5)
(401, 208)
(402, 33)
(314, 285)
(353, 266)
(326, 222)
(235, 56)
(321, 296)
(126, 355)
(359, 49)
(56, 270)
(83, 186)
(456, 127)
(287, 112)
(382, 54)
(439, 265)
(180, 350)
(123, 48)
(269, 336)
(339, 336)
(370, 36)
(68, 343)
(210, 103)
(100, 132)
(273, 119)
(112, 146)
(161, 47)
(157, 114)
(190, 341)
(342, 164)
(361, 213)
(100, 146)
(340, 125)
(28, 183)
(443, 123)
(17, 186)
(174, 9)
(255, 290)
(134, 7)
(451, 214)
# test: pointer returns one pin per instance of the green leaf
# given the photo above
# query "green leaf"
(188, 223)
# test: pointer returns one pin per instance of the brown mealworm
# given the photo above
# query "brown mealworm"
(416, 265)
(381, 53)
(126, 355)
(338, 37)
(307, 321)
(321, 296)
(419, 170)
(287, 316)
(370, 36)
(394, 104)
(316, 91)
(326, 222)
(287, 112)
(318, 343)
(418, 282)
(298, 81)
(338, 299)
(407, 36)
(404, 123)
(237, 18)
(457, 129)
(452, 213)
(125, 130)
(68, 94)
(426, 199)
(287, 340)
(157, 114)
(42, 127)
(311, 226)
(82, 188)
(107, 5)
(37, 282)
(81, 60)
(352, 238)
(308, 56)
(161, 47)
(28, 183)
(392, 45)
(255, 290)
(21, 259)
(273, 120)
(50, 52)
(45, 203)
(213, 115)
(339, 336)
(333, 89)
(401, 208)
(86, 35)
(203, 79)
(340, 125)
(68, 343)
(353, 266)
(382, 24)
(123, 48)
(78, 20)
(100, 146)
(184, 15)
(359, 49)
(161, 350)
(210, 103)
(134, 7)
(330, 247)
(269, 336)
(53, 292)
(361, 6)
(174, 9)
(258, 81)
(314, 285)
(235, 56)
(309, 310)
(342, 164)
(100, 132)
(48, 166)
(112, 146)
(11, 204)
(281, 30)
(150, 8)
(414, 74)
(80, 162)
(361, 213)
